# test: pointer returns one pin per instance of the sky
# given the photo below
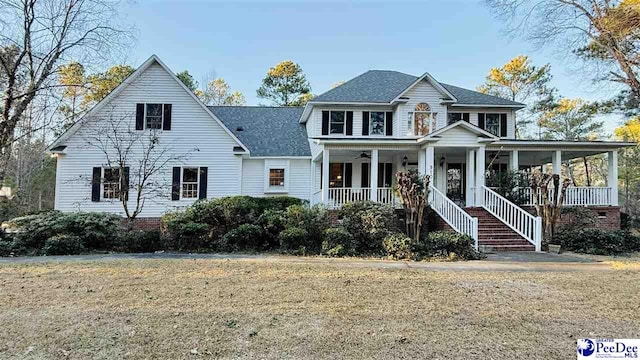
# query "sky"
(457, 42)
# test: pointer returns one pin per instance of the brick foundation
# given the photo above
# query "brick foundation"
(144, 223)
(606, 217)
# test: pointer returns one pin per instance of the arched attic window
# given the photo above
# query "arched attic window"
(422, 120)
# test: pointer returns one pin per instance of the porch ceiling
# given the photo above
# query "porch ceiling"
(540, 157)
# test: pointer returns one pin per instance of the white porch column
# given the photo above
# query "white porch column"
(612, 176)
(556, 159)
(514, 161)
(374, 175)
(470, 181)
(480, 164)
(325, 176)
(422, 158)
(430, 163)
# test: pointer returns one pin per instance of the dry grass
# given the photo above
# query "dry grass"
(173, 309)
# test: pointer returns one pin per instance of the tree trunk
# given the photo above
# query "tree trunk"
(586, 170)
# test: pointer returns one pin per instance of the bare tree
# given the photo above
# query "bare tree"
(139, 158)
(552, 199)
(413, 190)
(36, 36)
(604, 32)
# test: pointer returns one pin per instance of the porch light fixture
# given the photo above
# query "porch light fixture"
(442, 160)
(405, 160)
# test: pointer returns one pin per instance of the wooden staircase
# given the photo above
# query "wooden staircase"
(494, 235)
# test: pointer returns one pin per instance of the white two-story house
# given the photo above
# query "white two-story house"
(344, 145)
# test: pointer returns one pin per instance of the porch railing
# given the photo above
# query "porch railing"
(522, 222)
(575, 196)
(453, 215)
(341, 196)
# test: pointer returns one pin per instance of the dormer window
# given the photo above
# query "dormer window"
(421, 121)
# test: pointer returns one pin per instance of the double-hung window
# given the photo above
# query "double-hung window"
(153, 116)
(492, 123)
(377, 123)
(336, 122)
(190, 182)
(276, 177)
(111, 183)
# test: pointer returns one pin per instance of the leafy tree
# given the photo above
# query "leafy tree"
(629, 170)
(572, 119)
(101, 84)
(218, 92)
(188, 80)
(604, 33)
(284, 84)
(303, 99)
(519, 80)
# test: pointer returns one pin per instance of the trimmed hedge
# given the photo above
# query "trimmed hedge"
(597, 242)
(245, 237)
(63, 245)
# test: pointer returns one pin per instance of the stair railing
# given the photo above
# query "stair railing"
(522, 222)
(454, 215)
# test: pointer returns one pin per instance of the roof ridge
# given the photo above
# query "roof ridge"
(257, 106)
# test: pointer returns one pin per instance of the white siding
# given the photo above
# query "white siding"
(192, 128)
(253, 178)
(422, 92)
(457, 136)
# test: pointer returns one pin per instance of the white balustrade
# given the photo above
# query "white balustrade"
(522, 222)
(453, 215)
(575, 196)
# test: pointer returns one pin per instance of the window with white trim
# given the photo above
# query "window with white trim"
(377, 123)
(111, 183)
(190, 182)
(153, 116)
(421, 121)
(337, 122)
(276, 177)
(492, 123)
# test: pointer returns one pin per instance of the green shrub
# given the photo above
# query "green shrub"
(293, 238)
(398, 246)
(312, 220)
(185, 235)
(448, 244)
(244, 237)
(63, 245)
(596, 241)
(97, 230)
(337, 242)
(272, 223)
(369, 223)
(223, 215)
(137, 241)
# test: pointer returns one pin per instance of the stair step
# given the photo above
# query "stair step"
(504, 242)
(496, 248)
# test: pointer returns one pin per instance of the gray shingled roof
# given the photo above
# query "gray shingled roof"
(382, 86)
(266, 131)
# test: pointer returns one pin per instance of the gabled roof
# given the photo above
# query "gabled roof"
(267, 131)
(463, 124)
(131, 78)
(384, 86)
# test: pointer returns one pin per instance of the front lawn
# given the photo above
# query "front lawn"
(271, 308)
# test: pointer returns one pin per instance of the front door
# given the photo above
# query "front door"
(456, 178)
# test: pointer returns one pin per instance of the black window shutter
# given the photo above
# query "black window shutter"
(465, 117)
(389, 123)
(202, 191)
(364, 175)
(124, 187)
(349, 122)
(481, 120)
(166, 117)
(380, 175)
(175, 184)
(139, 116)
(365, 123)
(388, 174)
(348, 174)
(503, 125)
(320, 175)
(95, 183)
(325, 123)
